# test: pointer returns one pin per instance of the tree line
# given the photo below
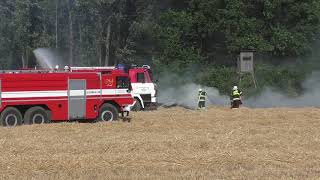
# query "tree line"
(170, 32)
(95, 32)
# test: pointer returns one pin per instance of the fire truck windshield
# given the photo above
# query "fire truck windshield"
(123, 82)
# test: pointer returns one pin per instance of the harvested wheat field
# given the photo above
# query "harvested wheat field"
(170, 144)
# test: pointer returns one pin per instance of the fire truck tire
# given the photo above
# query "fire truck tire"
(137, 106)
(11, 117)
(108, 112)
(37, 115)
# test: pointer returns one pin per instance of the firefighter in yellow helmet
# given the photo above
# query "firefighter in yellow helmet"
(235, 97)
(202, 95)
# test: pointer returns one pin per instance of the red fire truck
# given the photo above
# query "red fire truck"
(144, 90)
(41, 96)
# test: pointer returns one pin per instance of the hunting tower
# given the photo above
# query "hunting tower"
(245, 65)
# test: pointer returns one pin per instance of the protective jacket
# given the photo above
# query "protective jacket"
(202, 96)
(236, 95)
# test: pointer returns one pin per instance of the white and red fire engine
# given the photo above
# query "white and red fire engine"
(41, 96)
(144, 90)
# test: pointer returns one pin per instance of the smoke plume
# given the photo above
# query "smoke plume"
(177, 90)
(272, 98)
(186, 95)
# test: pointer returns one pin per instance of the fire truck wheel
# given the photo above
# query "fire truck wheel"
(11, 117)
(137, 105)
(36, 115)
(108, 112)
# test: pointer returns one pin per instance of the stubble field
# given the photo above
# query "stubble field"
(174, 143)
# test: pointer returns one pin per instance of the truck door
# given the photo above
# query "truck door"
(77, 99)
(143, 86)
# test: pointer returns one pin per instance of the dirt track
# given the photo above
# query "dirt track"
(168, 144)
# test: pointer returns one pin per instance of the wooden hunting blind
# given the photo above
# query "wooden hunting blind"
(245, 62)
(245, 65)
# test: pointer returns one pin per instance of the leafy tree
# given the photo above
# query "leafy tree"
(178, 39)
(28, 27)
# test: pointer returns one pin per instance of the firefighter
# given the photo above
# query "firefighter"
(202, 95)
(235, 97)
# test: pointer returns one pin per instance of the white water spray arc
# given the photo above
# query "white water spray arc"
(46, 57)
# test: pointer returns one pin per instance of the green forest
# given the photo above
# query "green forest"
(199, 39)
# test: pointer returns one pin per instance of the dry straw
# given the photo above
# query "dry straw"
(169, 144)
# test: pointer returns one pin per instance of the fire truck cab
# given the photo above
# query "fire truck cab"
(37, 97)
(143, 88)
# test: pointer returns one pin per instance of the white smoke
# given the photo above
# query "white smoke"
(186, 95)
(272, 98)
(174, 90)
